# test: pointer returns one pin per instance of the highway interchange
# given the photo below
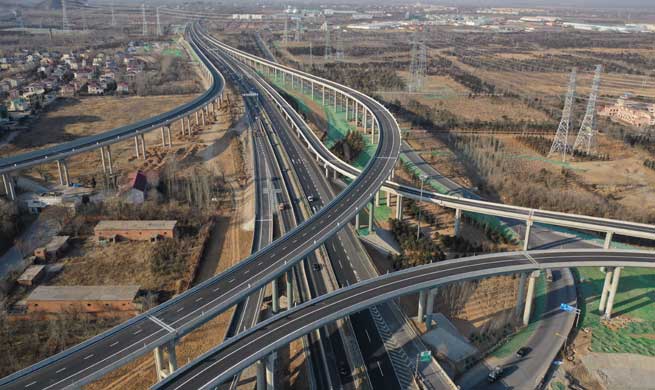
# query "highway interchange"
(186, 312)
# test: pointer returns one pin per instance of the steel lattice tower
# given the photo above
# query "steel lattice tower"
(328, 47)
(143, 13)
(560, 143)
(418, 64)
(65, 25)
(585, 138)
(113, 16)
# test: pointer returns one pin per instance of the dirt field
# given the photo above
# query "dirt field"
(230, 242)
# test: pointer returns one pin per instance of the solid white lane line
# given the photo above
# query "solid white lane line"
(380, 368)
(30, 384)
(367, 335)
(113, 344)
(88, 357)
(60, 370)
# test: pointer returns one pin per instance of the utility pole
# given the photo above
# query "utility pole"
(587, 131)
(158, 24)
(560, 143)
(64, 17)
(143, 13)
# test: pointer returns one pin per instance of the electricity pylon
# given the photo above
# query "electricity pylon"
(65, 25)
(143, 13)
(560, 143)
(587, 132)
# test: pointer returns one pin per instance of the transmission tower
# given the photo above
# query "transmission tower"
(158, 23)
(417, 65)
(585, 138)
(560, 143)
(113, 16)
(143, 13)
(328, 47)
(339, 49)
(65, 25)
(285, 37)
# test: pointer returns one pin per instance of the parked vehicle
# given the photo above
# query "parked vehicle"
(495, 374)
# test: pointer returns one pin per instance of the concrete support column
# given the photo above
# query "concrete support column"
(323, 95)
(347, 110)
(170, 135)
(377, 199)
(172, 357)
(458, 221)
(529, 297)
(388, 199)
(159, 359)
(181, 127)
(429, 309)
(521, 294)
(312, 89)
(110, 166)
(526, 241)
(327, 171)
(357, 221)
(606, 288)
(261, 375)
(270, 370)
(372, 129)
(608, 240)
(290, 288)
(102, 156)
(334, 175)
(275, 296)
(371, 219)
(137, 148)
(188, 125)
(399, 206)
(64, 170)
(9, 186)
(202, 116)
(365, 117)
(612, 293)
(143, 146)
(335, 101)
(422, 296)
(356, 114)
(197, 119)
(163, 137)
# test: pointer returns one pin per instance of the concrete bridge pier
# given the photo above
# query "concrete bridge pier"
(609, 272)
(357, 221)
(163, 372)
(323, 94)
(197, 118)
(137, 148)
(327, 171)
(163, 137)
(529, 297)
(422, 297)
(188, 124)
(335, 175)
(377, 199)
(526, 241)
(388, 199)
(170, 135)
(372, 129)
(261, 375)
(429, 309)
(105, 157)
(62, 168)
(356, 118)
(458, 222)
(608, 240)
(347, 110)
(10, 190)
(270, 371)
(289, 288)
(142, 139)
(521, 294)
(371, 219)
(399, 207)
(182, 132)
(610, 287)
(365, 125)
(275, 297)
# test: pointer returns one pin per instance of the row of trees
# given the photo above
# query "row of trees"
(413, 251)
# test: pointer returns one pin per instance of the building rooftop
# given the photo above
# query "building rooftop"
(136, 225)
(31, 272)
(83, 293)
(56, 243)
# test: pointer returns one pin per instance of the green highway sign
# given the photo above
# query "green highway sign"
(426, 356)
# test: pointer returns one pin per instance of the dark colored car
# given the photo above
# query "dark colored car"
(316, 267)
(343, 369)
(523, 351)
(495, 374)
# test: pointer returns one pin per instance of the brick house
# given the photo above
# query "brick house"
(135, 230)
(87, 299)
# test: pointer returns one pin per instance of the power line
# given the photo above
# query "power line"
(560, 143)
(587, 130)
